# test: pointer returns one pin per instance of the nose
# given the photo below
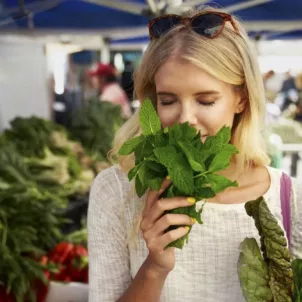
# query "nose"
(188, 114)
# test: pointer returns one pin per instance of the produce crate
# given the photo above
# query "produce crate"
(69, 292)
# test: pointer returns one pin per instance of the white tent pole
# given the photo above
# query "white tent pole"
(245, 5)
(152, 5)
(194, 2)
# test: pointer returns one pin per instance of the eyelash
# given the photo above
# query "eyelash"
(207, 104)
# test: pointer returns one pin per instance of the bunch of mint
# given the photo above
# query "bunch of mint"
(268, 274)
(178, 151)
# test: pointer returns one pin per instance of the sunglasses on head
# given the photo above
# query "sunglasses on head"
(207, 24)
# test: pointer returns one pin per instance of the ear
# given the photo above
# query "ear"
(242, 101)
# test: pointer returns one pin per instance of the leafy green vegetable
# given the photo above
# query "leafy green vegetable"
(30, 221)
(31, 135)
(95, 125)
(275, 254)
(178, 151)
(253, 273)
(297, 272)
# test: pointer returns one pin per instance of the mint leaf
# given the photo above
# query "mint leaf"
(221, 161)
(144, 150)
(140, 188)
(188, 133)
(129, 146)
(166, 155)
(204, 193)
(219, 183)
(174, 134)
(134, 171)
(182, 175)
(152, 175)
(178, 168)
(194, 156)
(217, 142)
(149, 120)
(161, 139)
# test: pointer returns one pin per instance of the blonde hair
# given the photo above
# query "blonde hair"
(230, 58)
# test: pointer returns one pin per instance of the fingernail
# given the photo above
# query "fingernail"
(193, 220)
(187, 228)
(191, 199)
(168, 177)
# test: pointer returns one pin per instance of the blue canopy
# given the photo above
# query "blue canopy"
(281, 16)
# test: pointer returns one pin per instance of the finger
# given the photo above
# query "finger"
(166, 204)
(167, 220)
(171, 236)
(152, 196)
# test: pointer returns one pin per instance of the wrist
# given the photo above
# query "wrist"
(154, 271)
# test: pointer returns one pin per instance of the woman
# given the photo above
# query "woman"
(105, 82)
(202, 71)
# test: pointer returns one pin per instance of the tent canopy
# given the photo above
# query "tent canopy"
(106, 16)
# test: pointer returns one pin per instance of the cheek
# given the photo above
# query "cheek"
(168, 115)
(214, 118)
(166, 118)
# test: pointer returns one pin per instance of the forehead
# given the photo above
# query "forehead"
(180, 74)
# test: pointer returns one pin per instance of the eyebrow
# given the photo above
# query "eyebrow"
(206, 92)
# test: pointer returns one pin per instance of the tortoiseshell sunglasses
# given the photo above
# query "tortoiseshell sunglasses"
(207, 24)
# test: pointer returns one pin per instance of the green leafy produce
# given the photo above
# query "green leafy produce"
(51, 169)
(253, 272)
(95, 125)
(289, 130)
(178, 152)
(30, 221)
(297, 271)
(31, 135)
(13, 170)
(267, 276)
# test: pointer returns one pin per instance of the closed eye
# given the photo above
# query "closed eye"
(206, 103)
(166, 103)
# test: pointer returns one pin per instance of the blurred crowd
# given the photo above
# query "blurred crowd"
(104, 82)
(284, 95)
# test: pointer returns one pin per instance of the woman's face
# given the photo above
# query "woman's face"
(98, 82)
(186, 93)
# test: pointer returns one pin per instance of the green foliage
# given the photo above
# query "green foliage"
(178, 151)
(95, 126)
(297, 272)
(289, 130)
(275, 254)
(30, 222)
(31, 135)
(253, 273)
(39, 169)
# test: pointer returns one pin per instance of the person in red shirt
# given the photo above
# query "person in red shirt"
(104, 80)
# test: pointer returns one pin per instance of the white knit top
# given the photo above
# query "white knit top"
(206, 268)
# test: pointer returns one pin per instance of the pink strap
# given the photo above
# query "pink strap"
(285, 191)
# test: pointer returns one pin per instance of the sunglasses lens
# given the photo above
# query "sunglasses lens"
(208, 24)
(162, 25)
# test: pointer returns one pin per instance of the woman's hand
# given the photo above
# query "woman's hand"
(154, 224)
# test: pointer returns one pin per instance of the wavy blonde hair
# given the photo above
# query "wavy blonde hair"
(230, 58)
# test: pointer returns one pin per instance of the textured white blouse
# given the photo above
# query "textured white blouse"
(206, 268)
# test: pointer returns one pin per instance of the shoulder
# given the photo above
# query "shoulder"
(109, 177)
(109, 188)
